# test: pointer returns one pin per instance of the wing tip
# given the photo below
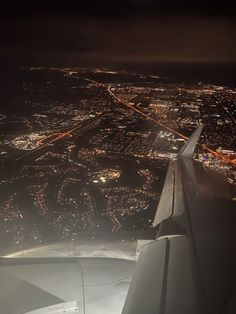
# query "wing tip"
(189, 148)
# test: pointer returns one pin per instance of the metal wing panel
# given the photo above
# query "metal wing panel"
(178, 204)
(172, 201)
(145, 292)
(182, 284)
(164, 280)
(165, 206)
(172, 197)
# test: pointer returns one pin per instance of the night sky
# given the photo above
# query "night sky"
(107, 32)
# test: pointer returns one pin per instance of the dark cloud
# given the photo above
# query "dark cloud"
(115, 8)
(74, 32)
(140, 39)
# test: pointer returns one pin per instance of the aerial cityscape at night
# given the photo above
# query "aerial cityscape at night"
(86, 150)
(118, 157)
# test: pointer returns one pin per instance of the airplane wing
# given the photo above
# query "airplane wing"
(166, 279)
(172, 202)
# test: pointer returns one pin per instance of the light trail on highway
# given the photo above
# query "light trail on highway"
(119, 101)
(58, 136)
(144, 115)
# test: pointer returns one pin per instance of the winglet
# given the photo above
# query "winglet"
(189, 147)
